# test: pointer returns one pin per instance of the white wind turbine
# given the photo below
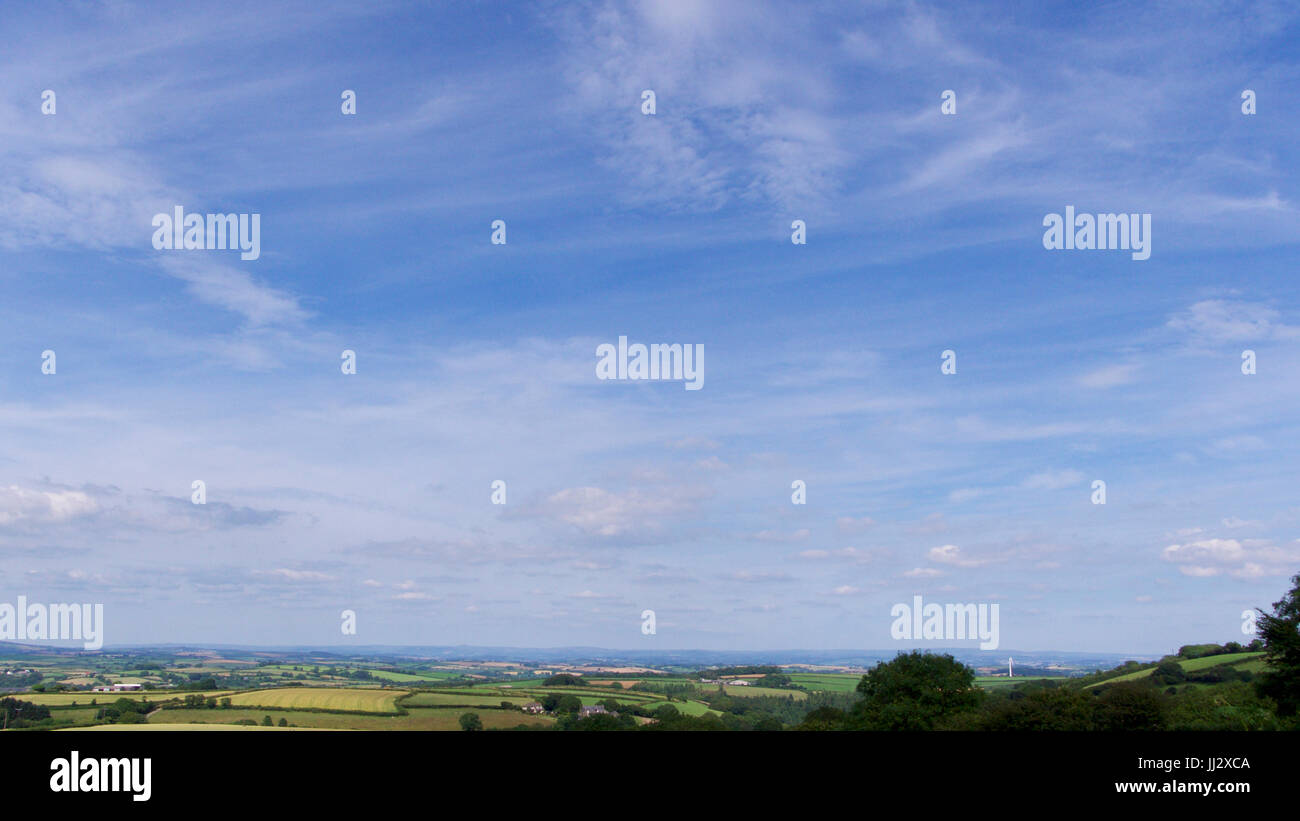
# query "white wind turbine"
(1010, 671)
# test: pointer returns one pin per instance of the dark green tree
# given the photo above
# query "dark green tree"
(1169, 672)
(470, 722)
(824, 718)
(1280, 633)
(1057, 708)
(568, 703)
(666, 712)
(1130, 706)
(915, 691)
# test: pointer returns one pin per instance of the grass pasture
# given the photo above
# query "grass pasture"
(406, 678)
(1000, 682)
(750, 691)
(174, 727)
(1253, 662)
(83, 697)
(688, 708)
(1206, 662)
(418, 718)
(442, 698)
(827, 682)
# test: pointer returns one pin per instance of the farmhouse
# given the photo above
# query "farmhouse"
(533, 707)
(594, 710)
(740, 682)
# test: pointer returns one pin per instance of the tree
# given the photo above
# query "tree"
(666, 712)
(1133, 706)
(1057, 708)
(824, 718)
(568, 703)
(915, 691)
(1169, 672)
(470, 722)
(768, 724)
(266, 721)
(1231, 706)
(283, 722)
(599, 722)
(1280, 633)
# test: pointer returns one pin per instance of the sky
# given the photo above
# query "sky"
(476, 361)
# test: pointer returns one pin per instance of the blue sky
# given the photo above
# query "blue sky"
(476, 361)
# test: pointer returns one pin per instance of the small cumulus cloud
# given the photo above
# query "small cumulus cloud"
(1053, 480)
(923, 573)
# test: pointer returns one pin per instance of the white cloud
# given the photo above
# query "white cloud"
(952, 554)
(18, 504)
(849, 524)
(296, 575)
(1110, 376)
(780, 536)
(922, 573)
(1217, 321)
(598, 512)
(1053, 480)
(1241, 558)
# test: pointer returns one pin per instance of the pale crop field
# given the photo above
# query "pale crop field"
(370, 701)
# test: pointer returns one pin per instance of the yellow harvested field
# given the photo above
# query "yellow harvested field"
(320, 698)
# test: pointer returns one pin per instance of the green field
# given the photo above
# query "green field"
(587, 696)
(83, 698)
(1246, 661)
(1205, 662)
(369, 701)
(436, 698)
(689, 708)
(750, 691)
(999, 682)
(404, 678)
(183, 727)
(419, 718)
(828, 682)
